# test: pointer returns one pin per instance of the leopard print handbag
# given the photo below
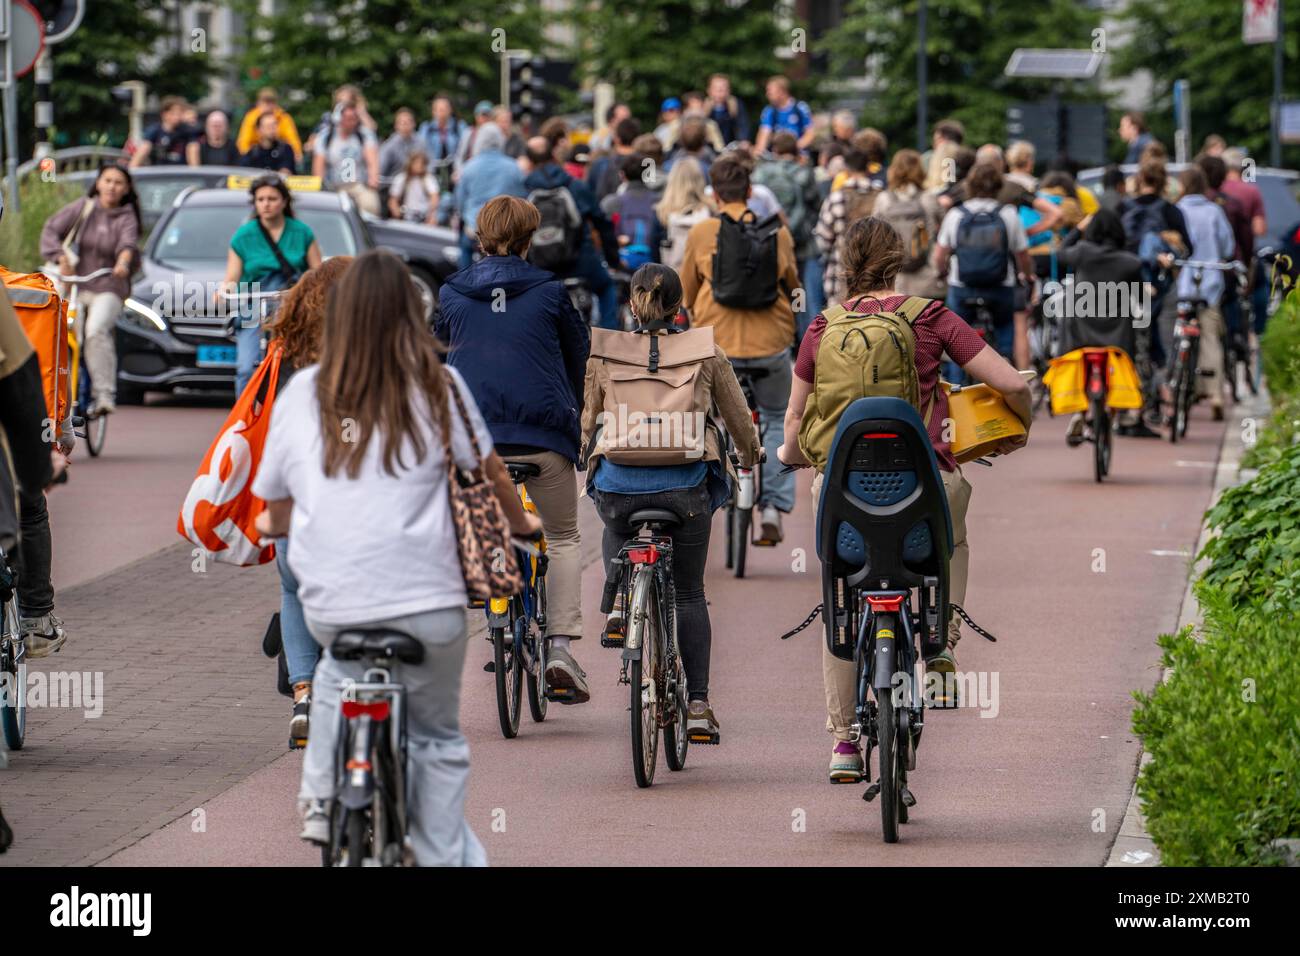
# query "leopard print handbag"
(487, 558)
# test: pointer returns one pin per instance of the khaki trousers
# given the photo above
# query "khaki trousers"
(1210, 358)
(839, 676)
(555, 493)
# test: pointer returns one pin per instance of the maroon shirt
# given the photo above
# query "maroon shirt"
(938, 330)
(1252, 202)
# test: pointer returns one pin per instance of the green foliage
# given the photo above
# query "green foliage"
(1280, 354)
(20, 232)
(1221, 784)
(968, 43)
(663, 48)
(1231, 82)
(398, 53)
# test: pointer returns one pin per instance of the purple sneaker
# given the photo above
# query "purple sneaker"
(846, 763)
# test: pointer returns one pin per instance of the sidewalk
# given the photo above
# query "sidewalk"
(1134, 846)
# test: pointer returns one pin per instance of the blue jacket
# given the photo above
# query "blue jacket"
(433, 142)
(552, 175)
(522, 351)
(485, 177)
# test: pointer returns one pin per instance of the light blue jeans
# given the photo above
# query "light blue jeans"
(437, 752)
(248, 351)
(301, 651)
(772, 393)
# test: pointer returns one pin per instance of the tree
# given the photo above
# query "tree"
(663, 48)
(397, 52)
(968, 44)
(1231, 82)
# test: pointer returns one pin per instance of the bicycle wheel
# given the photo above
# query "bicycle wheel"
(1178, 388)
(507, 667)
(96, 430)
(1100, 440)
(13, 691)
(887, 746)
(357, 828)
(537, 681)
(644, 709)
(731, 531)
(739, 532)
(675, 743)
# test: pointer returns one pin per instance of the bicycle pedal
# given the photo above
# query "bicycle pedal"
(696, 737)
(612, 639)
(908, 799)
(871, 792)
(765, 543)
(297, 743)
(559, 695)
(490, 667)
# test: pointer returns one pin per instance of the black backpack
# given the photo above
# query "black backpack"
(983, 249)
(558, 239)
(745, 270)
(1140, 218)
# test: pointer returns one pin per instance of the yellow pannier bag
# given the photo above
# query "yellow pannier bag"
(980, 420)
(1065, 380)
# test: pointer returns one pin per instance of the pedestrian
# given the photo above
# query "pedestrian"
(843, 207)
(488, 174)
(843, 125)
(602, 141)
(696, 104)
(297, 329)
(946, 133)
(346, 159)
(531, 396)
(413, 195)
(355, 472)
(684, 204)
(286, 131)
(753, 321)
(783, 112)
(1133, 130)
(267, 253)
(268, 152)
(632, 211)
(465, 148)
(214, 147)
(165, 142)
(669, 112)
(442, 132)
(100, 231)
(400, 145)
(692, 141)
(795, 188)
(726, 111)
(915, 215)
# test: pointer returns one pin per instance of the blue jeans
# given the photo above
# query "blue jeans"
(1259, 296)
(814, 295)
(248, 351)
(301, 652)
(592, 270)
(772, 393)
(1001, 305)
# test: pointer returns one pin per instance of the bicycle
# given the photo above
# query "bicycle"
(80, 385)
(642, 574)
(13, 660)
(517, 628)
(747, 490)
(1237, 342)
(1097, 423)
(1184, 361)
(368, 818)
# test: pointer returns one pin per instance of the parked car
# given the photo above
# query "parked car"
(172, 335)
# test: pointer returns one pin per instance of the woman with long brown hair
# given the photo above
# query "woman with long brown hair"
(355, 470)
(296, 328)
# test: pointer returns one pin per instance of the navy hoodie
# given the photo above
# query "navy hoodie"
(520, 345)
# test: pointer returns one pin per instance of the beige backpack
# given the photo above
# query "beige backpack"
(656, 400)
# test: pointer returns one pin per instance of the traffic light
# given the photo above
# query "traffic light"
(528, 102)
(60, 16)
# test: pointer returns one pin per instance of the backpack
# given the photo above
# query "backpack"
(656, 408)
(745, 269)
(44, 318)
(1140, 219)
(983, 248)
(558, 239)
(782, 178)
(636, 220)
(861, 355)
(680, 225)
(911, 222)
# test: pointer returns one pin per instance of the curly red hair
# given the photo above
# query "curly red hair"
(297, 323)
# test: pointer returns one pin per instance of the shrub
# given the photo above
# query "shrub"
(1224, 738)
(20, 232)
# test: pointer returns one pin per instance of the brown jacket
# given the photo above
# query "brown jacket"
(741, 333)
(716, 387)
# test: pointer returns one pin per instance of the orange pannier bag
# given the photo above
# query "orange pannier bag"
(44, 317)
(1065, 379)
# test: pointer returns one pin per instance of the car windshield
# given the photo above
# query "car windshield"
(199, 236)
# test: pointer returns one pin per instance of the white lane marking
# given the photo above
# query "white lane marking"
(1135, 856)
(1171, 554)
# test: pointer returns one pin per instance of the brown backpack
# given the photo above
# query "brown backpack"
(656, 402)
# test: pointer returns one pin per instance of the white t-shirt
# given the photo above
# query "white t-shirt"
(376, 546)
(1016, 241)
(415, 196)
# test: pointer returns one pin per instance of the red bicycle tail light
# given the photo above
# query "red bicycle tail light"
(879, 435)
(643, 555)
(358, 765)
(377, 710)
(894, 603)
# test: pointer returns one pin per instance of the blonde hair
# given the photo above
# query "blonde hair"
(1020, 155)
(684, 191)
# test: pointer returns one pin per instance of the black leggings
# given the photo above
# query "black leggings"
(690, 554)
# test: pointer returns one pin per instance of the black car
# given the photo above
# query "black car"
(158, 186)
(171, 334)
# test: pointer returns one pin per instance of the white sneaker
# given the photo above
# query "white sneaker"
(315, 821)
(43, 635)
(104, 405)
(770, 524)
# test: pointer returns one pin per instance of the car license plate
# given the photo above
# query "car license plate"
(216, 356)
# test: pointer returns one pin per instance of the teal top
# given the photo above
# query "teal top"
(255, 252)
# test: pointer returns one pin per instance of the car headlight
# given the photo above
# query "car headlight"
(452, 255)
(137, 313)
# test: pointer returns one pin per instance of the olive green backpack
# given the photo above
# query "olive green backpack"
(859, 356)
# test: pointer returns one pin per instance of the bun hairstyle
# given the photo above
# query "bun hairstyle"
(656, 294)
(871, 257)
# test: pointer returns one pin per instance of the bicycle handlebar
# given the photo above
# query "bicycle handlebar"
(1234, 265)
(252, 295)
(77, 280)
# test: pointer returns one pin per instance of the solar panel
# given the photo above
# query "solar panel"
(1059, 64)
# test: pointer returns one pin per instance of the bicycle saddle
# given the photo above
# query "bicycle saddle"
(658, 516)
(354, 645)
(522, 470)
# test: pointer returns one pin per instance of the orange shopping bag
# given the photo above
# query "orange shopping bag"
(220, 508)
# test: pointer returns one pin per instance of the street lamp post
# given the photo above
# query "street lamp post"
(922, 78)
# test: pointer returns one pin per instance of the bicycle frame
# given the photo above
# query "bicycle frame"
(880, 658)
(371, 760)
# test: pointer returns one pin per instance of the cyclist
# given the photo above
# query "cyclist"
(101, 231)
(693, 490)
(297, 328)
(355, 471)
(521, 347)
(684, 204)
(873, 252)
(271, 250)
(981, 248)
(915, 216)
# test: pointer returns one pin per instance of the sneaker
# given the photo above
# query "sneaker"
(299, 723)
(1217, 412)
(1138, 430)
(701, 725)
(945, 662)
(615, 631)
(770, 525)
(1075, 435)
(104, 405)
(846, 763)
(44, 635)
(565, 680)
(945, 690)
(315, 821)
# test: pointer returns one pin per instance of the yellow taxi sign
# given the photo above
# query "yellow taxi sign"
(301, 184)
